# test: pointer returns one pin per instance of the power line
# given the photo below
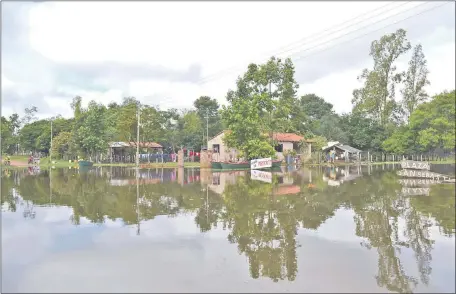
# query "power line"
(341, 29)
(396, 22)
(313, 36)
(204, 80)
(337, 25)
(299, 43)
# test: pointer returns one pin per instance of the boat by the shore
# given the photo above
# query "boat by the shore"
(276, 163)
(216, 165)
(235, 165)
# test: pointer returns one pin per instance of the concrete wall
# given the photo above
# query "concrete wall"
(224, 152)
(205, 158)
(180, 158)
(286, 146)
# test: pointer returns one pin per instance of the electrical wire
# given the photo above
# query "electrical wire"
(294, 45)
(206, 79)
(383, 27)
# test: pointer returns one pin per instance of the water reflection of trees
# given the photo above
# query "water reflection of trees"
(262, 224)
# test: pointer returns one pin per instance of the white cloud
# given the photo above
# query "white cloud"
(217, 36)
(6, 83)
(174, 33)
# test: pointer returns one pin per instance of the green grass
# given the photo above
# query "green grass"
(44, 162)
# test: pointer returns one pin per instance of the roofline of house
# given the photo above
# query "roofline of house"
(291, 141)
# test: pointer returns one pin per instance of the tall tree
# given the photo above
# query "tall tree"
(30, 115)
(206, 106)
(416, 79)
(377, 97)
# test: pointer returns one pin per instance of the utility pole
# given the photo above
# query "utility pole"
(137, 134)
(50, 151)
(207, 129)
(138, 114)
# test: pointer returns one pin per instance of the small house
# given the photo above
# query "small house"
(286, 142)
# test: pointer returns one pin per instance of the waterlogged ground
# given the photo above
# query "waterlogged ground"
(313, 230)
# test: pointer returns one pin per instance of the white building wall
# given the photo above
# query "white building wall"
(225, 153)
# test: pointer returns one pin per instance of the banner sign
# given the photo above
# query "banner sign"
(415, 191)
(261, 163)
(422, 174)
(409, 164)
(261, 176)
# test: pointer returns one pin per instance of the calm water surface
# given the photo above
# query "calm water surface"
(313, 230)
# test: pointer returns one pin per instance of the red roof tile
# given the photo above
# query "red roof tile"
(287, 137)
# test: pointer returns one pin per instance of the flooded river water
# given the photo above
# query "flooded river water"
(342, 229)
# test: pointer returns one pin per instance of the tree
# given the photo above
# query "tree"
(36, 136)
(92, 134)
(264, 102)
(127, 119)
(431, 126)
(329, 127)
(30, 115)
(363, 132)
(415, 81)
(434, 122)
(205, 106)
(61, 144)
(245, 124)
(377, 97)
(315, 107)
(7, 136)
(191, 130)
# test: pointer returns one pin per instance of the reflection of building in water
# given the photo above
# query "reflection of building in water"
(221, 179)
(335, 176)
(285, 182)
(153, 176)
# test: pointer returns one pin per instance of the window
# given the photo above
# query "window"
(279, 148)
(216, 148)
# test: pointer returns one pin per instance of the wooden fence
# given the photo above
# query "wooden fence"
(367, 156)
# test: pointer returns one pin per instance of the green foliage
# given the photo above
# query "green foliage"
(258, 148)
(416, 79)
(9, 141)
(61, 144)
(377, 96)
(431, 126)
(264, 101)
(318, 142)
(205, 106)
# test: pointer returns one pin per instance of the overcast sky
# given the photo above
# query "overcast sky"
(169, 54)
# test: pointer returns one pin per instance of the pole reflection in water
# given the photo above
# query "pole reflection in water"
(268, 222)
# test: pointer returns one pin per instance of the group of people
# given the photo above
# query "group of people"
(331, 156)
(31, 160)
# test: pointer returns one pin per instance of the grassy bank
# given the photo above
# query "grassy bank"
(45, 162)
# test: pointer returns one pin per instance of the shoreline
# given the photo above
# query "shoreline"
(60, 164)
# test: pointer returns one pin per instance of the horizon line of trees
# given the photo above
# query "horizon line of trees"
(265, 100)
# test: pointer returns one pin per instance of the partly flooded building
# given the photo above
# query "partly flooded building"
(286, 142)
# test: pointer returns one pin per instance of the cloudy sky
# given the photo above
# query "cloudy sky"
(169, 54)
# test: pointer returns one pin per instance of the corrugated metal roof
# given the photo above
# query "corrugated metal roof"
(347, 148)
